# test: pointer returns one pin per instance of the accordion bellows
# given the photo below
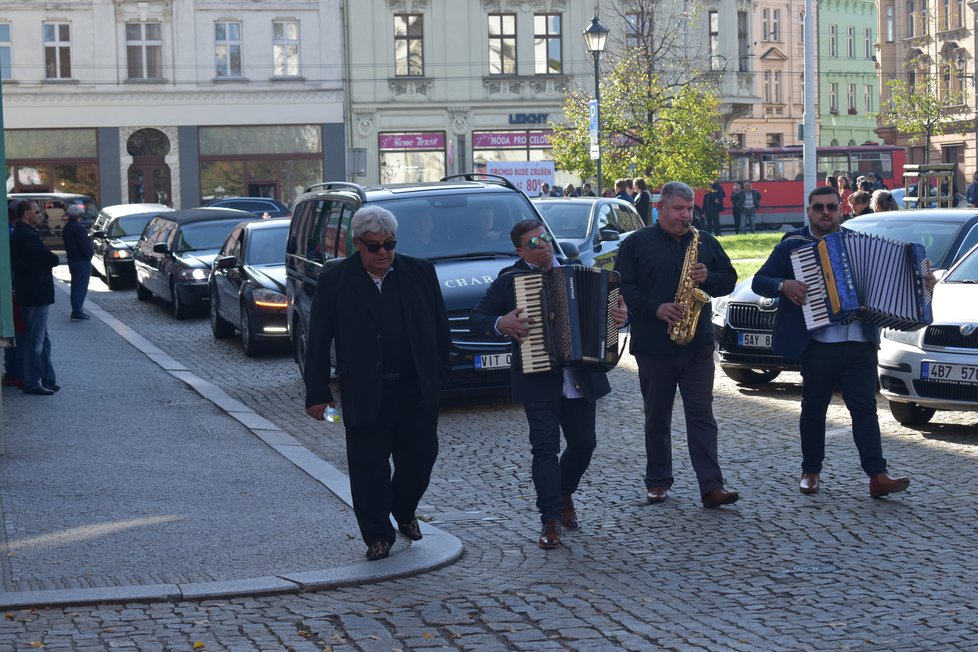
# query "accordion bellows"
(571, 323)
(852, 275)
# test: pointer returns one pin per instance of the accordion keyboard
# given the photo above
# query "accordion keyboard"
(533, 348)
(805, 264)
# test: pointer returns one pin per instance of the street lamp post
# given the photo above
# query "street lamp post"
(595, 37)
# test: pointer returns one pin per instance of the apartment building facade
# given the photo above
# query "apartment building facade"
(175, 101)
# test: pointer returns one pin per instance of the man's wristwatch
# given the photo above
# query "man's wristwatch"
(780, 286)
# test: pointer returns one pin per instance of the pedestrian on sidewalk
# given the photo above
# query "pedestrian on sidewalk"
(78, 249)
(560, 399)
(32, 263)
(386, 316)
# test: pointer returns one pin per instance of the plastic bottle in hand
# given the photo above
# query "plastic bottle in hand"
(332, 415)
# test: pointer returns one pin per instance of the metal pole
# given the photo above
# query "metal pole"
(597, 101)
(809, 140)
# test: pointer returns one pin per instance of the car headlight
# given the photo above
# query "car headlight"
(911, 338)
(720, 309)
(120, 253)
(195, 274)
(269, 299)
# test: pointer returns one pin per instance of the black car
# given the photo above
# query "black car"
(247, 286)
(260, 206)
(174, 254)
(596, 226)
(461, 224)
(743, 322)
(114, 233)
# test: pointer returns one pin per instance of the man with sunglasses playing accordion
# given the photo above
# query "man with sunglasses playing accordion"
(555, 400)
(843, 354)
(386, 316)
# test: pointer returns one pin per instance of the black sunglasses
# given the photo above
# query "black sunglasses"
(374, 247)
(825, 207)
(535, 241)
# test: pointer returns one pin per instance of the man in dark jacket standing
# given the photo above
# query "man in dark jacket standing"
(78, 249)
(643, 201)
(386, 315)
(560, 399)
(31, 263)
(746, 203)
(650, 262)
(712, 207)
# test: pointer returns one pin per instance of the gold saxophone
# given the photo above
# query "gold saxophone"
(691, 298)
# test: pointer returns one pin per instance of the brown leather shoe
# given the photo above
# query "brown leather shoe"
(550, 535)
(657, 494)
(720, 496)
(568, 515)
(410, 529)
(883, 484)
(810, 483)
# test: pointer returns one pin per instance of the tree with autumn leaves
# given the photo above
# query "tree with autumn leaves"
(921, 109)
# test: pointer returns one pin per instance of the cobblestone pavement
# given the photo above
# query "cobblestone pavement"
(776, 571)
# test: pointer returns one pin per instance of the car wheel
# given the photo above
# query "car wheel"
(142, 293)
(911, 414)
(752, 376)
(248, 338)
(179, 310)
(219, 326)
(111, 282)
(299, 345)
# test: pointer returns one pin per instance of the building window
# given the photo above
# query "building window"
(144, 50)
(227, 49)
(765, 24)
(5, 71)
(851, 97)
(868, 98)
(502, 44)
(833, 97)
(833, 40)
(633, 30)
(767, 86)
(715, 41)
(771, 24)
(801, 21)
(911, 17)
(57, 50)
(546, 44)
(959, 13)
(946, 14)
(408, 45)
(743, 44)
(285, 48)
(868, 43)
(890, 24)
(774, 140)
(776, 85)
(851, 42)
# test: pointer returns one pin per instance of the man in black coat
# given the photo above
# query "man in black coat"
(31, 263)
(643, 201)
(387, 318)
(553, 400)
(78, 250)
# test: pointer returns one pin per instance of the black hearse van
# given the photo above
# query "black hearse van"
(461, 224)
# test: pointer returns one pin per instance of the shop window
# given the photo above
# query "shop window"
(409, 45)
(285, 48)
(144, 50)
(227, 49)
(546, 44)
(57, 50)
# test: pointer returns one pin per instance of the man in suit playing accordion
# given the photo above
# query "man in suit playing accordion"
(840, 353)
(555, 400)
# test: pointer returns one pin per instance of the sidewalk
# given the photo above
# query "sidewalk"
(141, 481)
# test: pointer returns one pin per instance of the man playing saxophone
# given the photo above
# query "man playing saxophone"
(665, 271)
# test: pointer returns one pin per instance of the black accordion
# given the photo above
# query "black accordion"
(852, 275)
(570, 312)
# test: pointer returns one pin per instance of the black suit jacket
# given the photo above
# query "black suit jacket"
(31, 263)
(342, 313)
(545, 386)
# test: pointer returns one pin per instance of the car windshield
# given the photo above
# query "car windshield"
(204, 235)
(568, 220)
(966, 271)
(128, 225)
(450, 225)
(267, 246)
(936, 236)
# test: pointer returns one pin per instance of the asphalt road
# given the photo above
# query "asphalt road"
(776, 571)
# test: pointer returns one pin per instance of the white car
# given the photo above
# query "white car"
(936, 368)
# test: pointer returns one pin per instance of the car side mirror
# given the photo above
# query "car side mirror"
(226, 262)
(570, 250)
(161, 248)
(939, 273)
(98, 233)
(610, 235)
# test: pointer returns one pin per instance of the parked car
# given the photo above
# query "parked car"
(743, 321)
(247, 286)
(936, 367)
(596, 226)
(54, 213)
(461, 224)
(260, 206)
(114, 233)
(174, 254)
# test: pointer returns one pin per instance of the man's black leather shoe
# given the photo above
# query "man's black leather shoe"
(411, 529)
